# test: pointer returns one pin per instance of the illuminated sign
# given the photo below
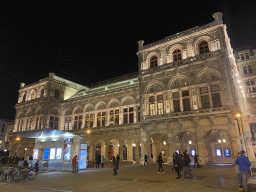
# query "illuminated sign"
(193, 153)
(227, 153)
(67, 152)
(52, 153)
(218, 153)
(46, 153)
(35, 154)
(58, 153)
(82, 159)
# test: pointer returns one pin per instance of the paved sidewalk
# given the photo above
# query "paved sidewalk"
(131, 178)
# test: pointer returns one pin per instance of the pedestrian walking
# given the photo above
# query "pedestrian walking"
(25, 164)
(114, 165)
(160, 163)
(98, 159)
(118, 159)
(180, 158)
(74, 170)
(37, 166)
(177, 163)
(244, 169)
(146, 160)
(102, 161)
(185, 164)
(239, 176)
(196, 162)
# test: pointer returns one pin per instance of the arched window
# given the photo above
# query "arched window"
(153, 61)
(33, 95)
(176, 55)
(24, 97)
(57, 94)
(203, 47)
(42, 93)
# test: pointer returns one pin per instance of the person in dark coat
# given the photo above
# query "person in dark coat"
(160, 163)
(98, 159)
(25, 163)
(177, 164)
(37, 166)
(196, 161)
(114, 165)
(185, 164)
(118, 159)
(146, 160)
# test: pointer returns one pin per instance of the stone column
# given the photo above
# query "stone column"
(121, 155)
(61, 122)
(137, 151)
(172, 146)
(201, 150)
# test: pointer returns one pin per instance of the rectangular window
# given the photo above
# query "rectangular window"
(242, 56)
(185, 93)
(205, 101)
(152, 109)
(203, 90)
(186, 105)
(176, 104)
(247, 83)
(216, 100)
(125, 118)
(130, 117)
(250, 69)
(246, 56)
(214, 88)
(245, 70)
(151, 99)
(254, 90)
(252, 82)
(160, 108)
(176, 95)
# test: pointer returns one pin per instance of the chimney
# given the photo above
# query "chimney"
(140, 44)
(218, 18)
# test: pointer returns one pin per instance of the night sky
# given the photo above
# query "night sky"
(95, 42)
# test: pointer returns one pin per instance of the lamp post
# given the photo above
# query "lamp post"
(241, 133)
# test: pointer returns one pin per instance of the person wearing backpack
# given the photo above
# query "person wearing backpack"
(185, 164)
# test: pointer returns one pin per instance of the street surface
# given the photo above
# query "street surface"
(130, 178)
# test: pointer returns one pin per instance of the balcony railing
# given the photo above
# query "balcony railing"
(189, 60)
(199, 112)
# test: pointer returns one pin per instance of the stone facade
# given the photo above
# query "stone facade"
(184, 97)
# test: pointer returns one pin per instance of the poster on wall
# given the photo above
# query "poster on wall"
(67, 152)
(193, 153)
(218, 153)
(46, 153)
(227, 153)
(52, 153)
(35, 154)
(58, 153)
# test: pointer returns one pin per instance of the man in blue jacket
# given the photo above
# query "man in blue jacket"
(244, 169)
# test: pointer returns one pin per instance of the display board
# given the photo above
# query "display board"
(52, 153)
(35, 153)
(67, 152)
(59, 153)
(46, 153)
(83, 159)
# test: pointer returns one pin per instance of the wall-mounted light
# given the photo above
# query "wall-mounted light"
(164, 142)
(219, 141)
(224, 140)
(189, 142)
(26, 149)
(134, 145)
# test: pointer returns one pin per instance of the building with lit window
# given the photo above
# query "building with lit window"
(184, 97)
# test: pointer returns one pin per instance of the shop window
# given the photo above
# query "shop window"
(176, 55)
(203, 47)
(153, 62)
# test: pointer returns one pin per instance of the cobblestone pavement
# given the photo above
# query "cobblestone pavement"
(130, 178)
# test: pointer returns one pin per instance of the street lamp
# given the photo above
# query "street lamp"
(241, 133)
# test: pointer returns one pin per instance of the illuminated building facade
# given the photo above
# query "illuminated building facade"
(184, 97)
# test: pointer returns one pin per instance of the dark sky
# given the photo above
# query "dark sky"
(95, 42)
